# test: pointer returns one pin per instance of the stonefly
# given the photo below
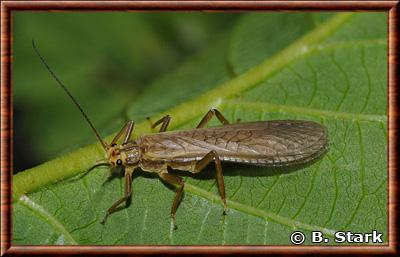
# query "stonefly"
(264, 143)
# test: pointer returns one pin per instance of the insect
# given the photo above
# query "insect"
(265, 143)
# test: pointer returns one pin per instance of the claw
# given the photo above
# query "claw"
(104, 219)
(225, 207)
(174, 222)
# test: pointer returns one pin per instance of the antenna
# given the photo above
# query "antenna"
(104, 144)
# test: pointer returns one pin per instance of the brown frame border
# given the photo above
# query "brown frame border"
(7, 7)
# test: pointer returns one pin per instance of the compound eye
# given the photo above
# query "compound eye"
(119, 162)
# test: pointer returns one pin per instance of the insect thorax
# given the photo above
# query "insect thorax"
(131, 153)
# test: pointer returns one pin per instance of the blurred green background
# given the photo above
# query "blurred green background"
(106, 59)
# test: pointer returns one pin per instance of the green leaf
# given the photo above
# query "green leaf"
(330, 68)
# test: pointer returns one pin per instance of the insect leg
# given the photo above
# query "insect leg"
(127, 129)
(209, 115)
(164, 120)
(174, 180)
(213, 156)
(125, 198)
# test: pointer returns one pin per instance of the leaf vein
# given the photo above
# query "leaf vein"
(257, 212)
(271, 107)
(42, 213)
